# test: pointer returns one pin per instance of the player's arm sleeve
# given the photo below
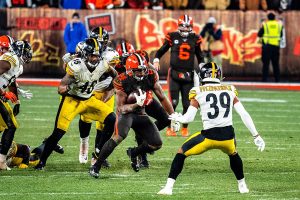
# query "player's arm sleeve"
(164, 48)
(198, 51)
(246, 118)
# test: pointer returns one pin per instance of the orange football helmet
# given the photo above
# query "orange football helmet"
(185, 25)
(136, 65)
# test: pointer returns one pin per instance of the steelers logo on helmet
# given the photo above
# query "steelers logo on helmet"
(210, 73)
(23, 50)
(101, 35)
(79, 47)
(136, 66)
(91, 52)
(185, 25)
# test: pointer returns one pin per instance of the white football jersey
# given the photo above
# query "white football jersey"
(108, 55)
(85, 80)
(16, 69)
(216, 104)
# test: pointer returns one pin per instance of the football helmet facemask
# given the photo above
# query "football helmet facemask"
(79, 47)
(23, 50)
(101, 35)
(185, 25)
(210, 73)
(91, 52)
(136, 65)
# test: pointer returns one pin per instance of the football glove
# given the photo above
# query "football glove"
(174, 116)
(16, 109)
(259, 142)
(156, 64)
(10, 96)
(25, 93)
(175, 126)
(67, 58)
(140, 99)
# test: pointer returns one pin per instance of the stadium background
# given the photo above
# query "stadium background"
(44, 29)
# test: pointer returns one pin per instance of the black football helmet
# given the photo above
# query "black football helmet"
(91, 52)
(23, 50)
(101, 35)
(210, 73)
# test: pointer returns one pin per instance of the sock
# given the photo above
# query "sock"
(6, 140)
(141, 149)
(177, 165)
(236, 165)
(84, 129)
(241, 180)
(107, 149)
(84, 145)
(50, 144)
(170, 183)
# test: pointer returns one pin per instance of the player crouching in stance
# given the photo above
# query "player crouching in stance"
(77, 88)
(216, 102)
(11, 66)
(138, 77)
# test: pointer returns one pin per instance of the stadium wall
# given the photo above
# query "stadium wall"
(44, 29)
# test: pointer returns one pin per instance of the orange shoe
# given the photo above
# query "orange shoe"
(184, 132)
(170, 132)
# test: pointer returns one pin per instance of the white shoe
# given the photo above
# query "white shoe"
(243, 188)
(165, 191)
(3, 166)
(83, 152)
(83, 158)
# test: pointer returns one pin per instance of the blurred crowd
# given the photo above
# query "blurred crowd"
(279, 5)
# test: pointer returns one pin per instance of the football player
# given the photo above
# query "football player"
(154, 108)
(103, 91)
(216, 102)
(184, 44)
(77, 88)
(138, 77)
(11, 66)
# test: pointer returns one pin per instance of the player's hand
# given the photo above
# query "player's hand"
(175, 126)
(10, 96)
(156, 64)
(25, 93)
(259, 142)
(174, 116)
(67, 58)
(16, 109)
(140, 99)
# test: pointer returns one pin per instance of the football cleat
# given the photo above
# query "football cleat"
(39, 166)
(165, 191)
(243, 187)
(144, 161)
(59, 149)
(3, 166)
(94, 171)
(184, 132)
(83, 158)
(134, 161)
(170, 132)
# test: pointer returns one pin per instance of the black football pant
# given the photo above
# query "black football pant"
(176, 87)
(270, 53)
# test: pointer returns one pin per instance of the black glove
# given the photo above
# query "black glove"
(16, 109)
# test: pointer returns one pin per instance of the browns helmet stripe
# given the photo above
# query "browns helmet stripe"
(124, 47)
(140, 59)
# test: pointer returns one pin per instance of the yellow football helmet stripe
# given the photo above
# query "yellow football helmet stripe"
(213, 70)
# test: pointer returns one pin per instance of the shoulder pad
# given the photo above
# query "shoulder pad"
(9, 58)
(75, 65)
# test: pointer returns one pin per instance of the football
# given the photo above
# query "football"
(131, 98)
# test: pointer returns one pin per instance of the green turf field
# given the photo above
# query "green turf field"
(272, 174)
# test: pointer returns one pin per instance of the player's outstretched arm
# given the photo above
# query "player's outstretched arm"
(247, 120)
